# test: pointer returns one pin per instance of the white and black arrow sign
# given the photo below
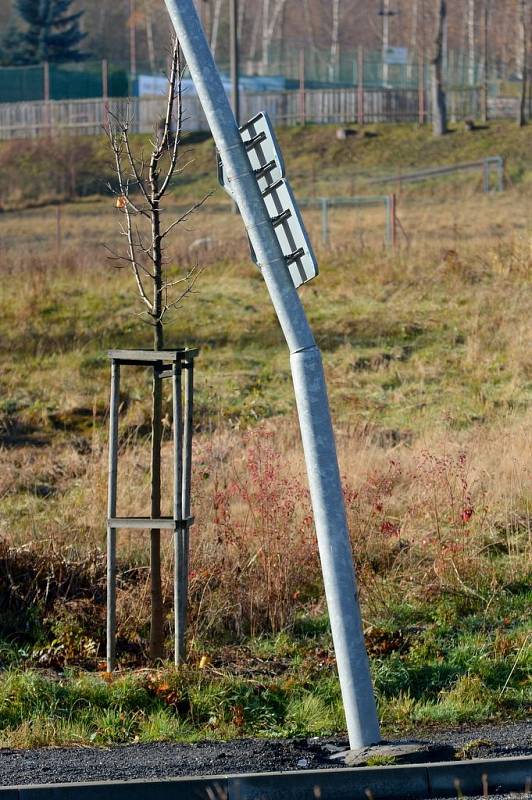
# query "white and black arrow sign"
(265, 157)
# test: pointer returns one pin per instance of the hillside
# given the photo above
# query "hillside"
(317, 163)
(427, 359)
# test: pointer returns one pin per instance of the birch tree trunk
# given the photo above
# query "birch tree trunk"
(254, 39)
(310, 56)
(439, 101)
(215, 25)
(271, 12)
(241, 18)
(412, 58)
(149, 36)
(309, 24)
(335, 44)
(522, 44)
(385, 40)
(265, 60)
(485, 46)
(471, 13)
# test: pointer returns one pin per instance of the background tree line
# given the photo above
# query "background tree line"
(105, 29)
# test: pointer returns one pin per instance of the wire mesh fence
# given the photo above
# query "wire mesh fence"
(289, 65)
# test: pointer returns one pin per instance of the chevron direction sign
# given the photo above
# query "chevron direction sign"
(266, 159)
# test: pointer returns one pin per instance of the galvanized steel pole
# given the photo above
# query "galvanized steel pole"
(309, 385)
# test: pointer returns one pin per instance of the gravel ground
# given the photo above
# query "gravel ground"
(65, 765)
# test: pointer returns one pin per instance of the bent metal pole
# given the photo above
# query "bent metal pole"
(309, 384)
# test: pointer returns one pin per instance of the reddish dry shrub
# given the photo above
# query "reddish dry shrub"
(419, 521)
(422, 522)
(256, 559)
(448, 517)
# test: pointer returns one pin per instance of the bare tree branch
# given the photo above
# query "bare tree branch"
(175, 76)
(186, 215)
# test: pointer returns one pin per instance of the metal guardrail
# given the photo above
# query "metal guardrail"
(433, 172)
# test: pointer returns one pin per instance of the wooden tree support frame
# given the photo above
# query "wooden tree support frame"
(177, 365)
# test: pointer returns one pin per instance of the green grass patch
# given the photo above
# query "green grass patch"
(442, 673)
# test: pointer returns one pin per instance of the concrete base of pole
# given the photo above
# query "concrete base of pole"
(412, 752)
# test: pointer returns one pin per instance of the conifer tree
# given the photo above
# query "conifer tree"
(52, 34)
(11, 47)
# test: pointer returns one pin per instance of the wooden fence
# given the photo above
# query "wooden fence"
(54, 117)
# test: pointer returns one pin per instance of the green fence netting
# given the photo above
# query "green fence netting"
(66, 81)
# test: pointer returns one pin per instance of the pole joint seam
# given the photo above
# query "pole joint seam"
(306, 349)
(258, 225)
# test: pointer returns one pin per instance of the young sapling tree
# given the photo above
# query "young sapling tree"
(143, 183)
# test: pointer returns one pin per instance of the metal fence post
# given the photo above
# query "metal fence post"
(46, 97)
(111, 512)
(391, 224)
(105, 92)
(360, 85)
(500, 174)
(388, 209)
(302, 100)
(421, 91)
(324, 220)
(187, 465)
(309, 385)
(46, 81)
(179, 551)
(486, 175)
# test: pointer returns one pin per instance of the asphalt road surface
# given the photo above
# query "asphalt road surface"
(65, 765)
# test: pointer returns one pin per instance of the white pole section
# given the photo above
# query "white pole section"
(309, 385)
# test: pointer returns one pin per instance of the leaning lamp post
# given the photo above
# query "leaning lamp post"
(308, 378)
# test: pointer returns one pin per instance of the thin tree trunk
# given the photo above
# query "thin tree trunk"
(471, 9)
(254, 39)
(439, 102)
(270, 17)
(523, 53)
(241, 19)
(413, 55)
(310, 36)
(485, 75)
(265, 60)
(385, 40)
(149, 38)
(132, 40)
(215, 25)
(102, 14)
(445, 49)
(335, 45)
(205, 16)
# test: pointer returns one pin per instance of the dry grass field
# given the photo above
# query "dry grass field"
(427, 356)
